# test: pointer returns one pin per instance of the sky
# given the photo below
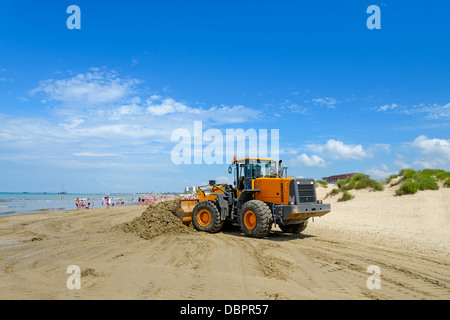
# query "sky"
(95, 109)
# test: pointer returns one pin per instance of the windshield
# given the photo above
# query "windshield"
(258, 168)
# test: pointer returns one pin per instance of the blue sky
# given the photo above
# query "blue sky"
(94, 109)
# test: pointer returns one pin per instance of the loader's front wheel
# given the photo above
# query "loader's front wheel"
(255, 219)
(206, 217)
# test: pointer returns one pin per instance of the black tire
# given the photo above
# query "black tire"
(255, 219)
(200, 218)
(295, 228)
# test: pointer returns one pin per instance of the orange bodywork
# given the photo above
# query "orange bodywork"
(202, 196)
(273, 190)
(184, 211)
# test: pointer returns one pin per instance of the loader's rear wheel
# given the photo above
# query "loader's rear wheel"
(206, 217)
(255, 219)
(295, 228)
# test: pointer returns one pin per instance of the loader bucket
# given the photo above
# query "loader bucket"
(184, 211)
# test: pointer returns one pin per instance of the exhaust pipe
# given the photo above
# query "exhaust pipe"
(280, 170)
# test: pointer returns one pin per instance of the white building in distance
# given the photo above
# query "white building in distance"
(190, 189)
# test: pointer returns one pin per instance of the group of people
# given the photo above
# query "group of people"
(150, 200)
(106, 203)
(143, 200)
(81, 205)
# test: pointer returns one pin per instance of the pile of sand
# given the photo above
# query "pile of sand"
(157, 220)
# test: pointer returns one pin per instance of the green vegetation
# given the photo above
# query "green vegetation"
(359, 181)
(335, 191)
(391, 177)
(407, 173)
(447, 182)
(346, 196)
(323, 183)
(409, 186)
(410, 181)
(413, 181)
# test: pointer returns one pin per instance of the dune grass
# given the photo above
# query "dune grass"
(346, 196)
(447, 182)
(359, 181)
(323, 183)
(413, 181)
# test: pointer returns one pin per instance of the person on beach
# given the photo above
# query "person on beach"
(77, 203)
(92, 203)
(88, 204)
(103, 202)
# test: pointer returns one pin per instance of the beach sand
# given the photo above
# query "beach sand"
(406, 237)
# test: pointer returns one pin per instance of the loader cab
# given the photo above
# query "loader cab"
(249, 169)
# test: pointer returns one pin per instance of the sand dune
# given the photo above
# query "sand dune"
(406, 237)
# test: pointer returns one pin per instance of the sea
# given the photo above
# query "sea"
(26, 203)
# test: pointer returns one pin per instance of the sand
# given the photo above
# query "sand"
(406, 237)
(157, 220)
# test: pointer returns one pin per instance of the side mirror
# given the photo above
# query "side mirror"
(230, 170)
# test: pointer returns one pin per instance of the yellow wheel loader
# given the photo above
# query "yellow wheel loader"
(262, 195)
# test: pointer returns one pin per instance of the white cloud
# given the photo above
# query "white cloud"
(379, 147)
(434, 153)
(434, 111)
(296, 108)
(230, 114)
(380, 172)
(307, 161)
(431, 112)
(92, 87)
(93, 154)
(386, 107)
(168, 106)
(126, 110)
(337, 150)
(401, 161)
(99, 114)
(439, 148)
(325, 101)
